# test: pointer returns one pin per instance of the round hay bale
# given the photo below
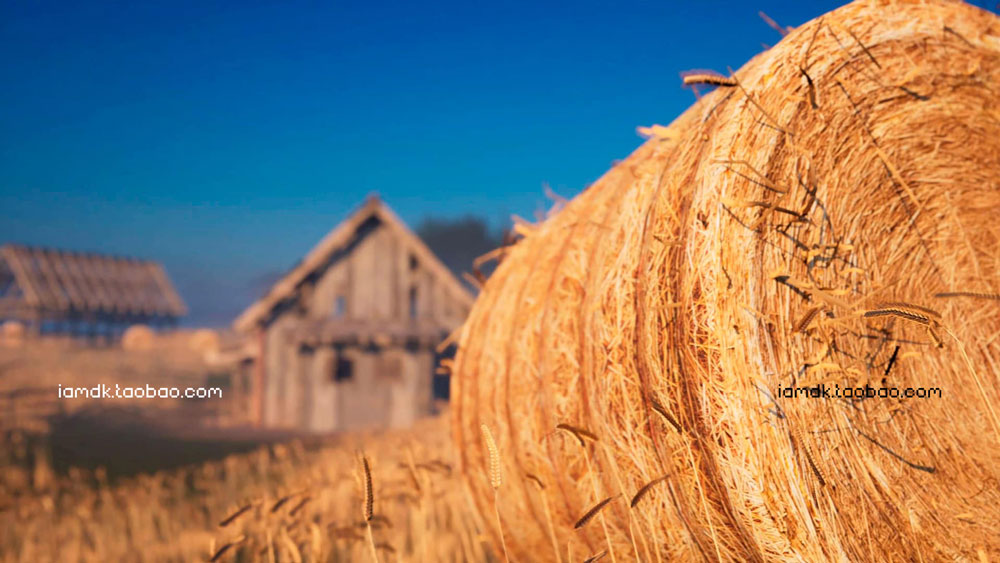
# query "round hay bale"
(828, 218)
(12, 332)
(138, 337)
(204, 341)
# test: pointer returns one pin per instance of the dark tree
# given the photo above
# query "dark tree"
(457, 242)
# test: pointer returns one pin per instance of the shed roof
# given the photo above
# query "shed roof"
(62, 281)
(336, 240)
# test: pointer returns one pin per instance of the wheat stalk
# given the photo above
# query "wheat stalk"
(806, 319)
(281, 502)
(496, 479)
(659, 408)
(797, 432)
(974, 294)
(299, 506)
(226, 547)
(589, 515)
(232, 517)
(368, 506)
(579, 433)
(548, 514)
(895, 310)
(644, 490)
(534, 478)
(709, 79)
(910, 307)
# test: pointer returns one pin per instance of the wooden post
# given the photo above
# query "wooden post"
(258, 385)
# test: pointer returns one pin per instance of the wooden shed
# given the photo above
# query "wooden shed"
(56, 292)
(347, 339)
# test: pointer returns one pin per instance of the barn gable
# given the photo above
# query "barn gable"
(374, 223)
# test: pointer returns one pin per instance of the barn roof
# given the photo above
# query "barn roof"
(337, 239)
(60, 281)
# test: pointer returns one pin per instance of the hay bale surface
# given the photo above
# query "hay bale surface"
(854, 164)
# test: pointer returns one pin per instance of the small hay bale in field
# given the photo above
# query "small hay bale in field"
(138, 337)
(204, 341)
(12, 333)
(854, 168)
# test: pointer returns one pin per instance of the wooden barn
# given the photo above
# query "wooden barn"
(55, 292)
(348, 338)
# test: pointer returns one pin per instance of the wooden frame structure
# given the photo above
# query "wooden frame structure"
(77, 294)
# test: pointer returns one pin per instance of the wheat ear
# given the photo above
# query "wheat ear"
(589, 515)
(644, 490)
(496, 479)
(368, 506)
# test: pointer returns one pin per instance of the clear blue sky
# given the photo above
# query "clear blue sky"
(225, 140)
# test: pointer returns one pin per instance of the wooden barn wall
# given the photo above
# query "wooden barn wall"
(390, 387)
(412, 393)
(324, 413)
(375, 279)
(275, 365)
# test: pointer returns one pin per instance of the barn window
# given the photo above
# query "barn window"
(413, 262)
(340, 306)
(413, 302)
(343, 370)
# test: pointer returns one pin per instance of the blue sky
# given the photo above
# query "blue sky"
(226, 139)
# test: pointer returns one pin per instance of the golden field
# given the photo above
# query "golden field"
(294, 500)
(290, 503)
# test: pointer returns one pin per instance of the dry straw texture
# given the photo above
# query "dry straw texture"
(855, 164)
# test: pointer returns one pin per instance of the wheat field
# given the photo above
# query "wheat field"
(284, 502)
